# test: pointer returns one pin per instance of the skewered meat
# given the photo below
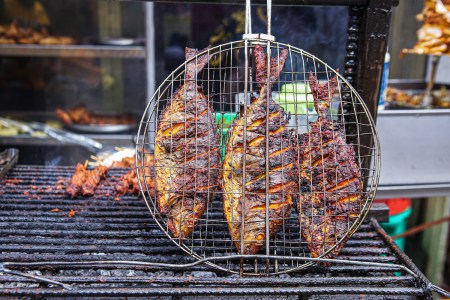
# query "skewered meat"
(129, 184)
(126, 183)
(93, 178)
(78, 178)
(282, 165)
(330, 178)
(187, 153)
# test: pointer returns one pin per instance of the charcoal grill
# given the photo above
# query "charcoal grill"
(105, 229)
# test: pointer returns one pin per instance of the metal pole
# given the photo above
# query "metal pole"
(150, 64)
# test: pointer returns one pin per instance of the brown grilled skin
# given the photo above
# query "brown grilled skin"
(282, 165)
(78, 178)
(187, 153)
(330, 178)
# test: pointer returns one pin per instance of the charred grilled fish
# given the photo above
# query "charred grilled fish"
(187, 153)
(251, 209)
(330, 178)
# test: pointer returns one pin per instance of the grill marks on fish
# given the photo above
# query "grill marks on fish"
(187, 153)
(251, 210)
(331, 190)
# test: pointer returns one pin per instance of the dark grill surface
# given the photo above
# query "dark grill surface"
(35, 226)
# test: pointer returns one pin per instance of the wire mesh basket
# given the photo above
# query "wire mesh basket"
(276, 212)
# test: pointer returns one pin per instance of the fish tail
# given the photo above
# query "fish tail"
(196, 65)
(322, 94)
(276, 65)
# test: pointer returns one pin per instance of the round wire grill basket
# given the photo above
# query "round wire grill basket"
(220, 204)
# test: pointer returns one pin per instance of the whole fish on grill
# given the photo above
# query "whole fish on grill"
(187, 153)
(251, 209)
(330, 185)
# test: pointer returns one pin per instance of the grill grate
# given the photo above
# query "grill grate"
(105, 229)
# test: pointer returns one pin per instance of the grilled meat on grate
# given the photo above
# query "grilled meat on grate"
(282, 164)
(78, 178)
(330, 185)
(128, 183)
(187, 153)
(93, 178)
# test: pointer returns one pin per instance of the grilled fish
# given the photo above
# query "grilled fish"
(251, 209)
(187, 153)
(330, 185)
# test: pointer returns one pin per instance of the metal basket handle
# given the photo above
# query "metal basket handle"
(248, 23)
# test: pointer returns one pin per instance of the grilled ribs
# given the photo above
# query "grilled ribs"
(187, 153)
(282, 164)
(330, 185)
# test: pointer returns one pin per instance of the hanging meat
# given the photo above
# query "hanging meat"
(330, 184)
(250, 209)
(187, 153)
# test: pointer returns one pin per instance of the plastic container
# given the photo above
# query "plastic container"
(384, 81)
(399, 212)
(397, 225)
(296, 98)
(224, 122)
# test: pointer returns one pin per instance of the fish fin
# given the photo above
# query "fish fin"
(322, 93)
(196, 65)
(276, 65)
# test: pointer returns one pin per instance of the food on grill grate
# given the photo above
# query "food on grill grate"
(330, 178)
(187, 153)
(78, 178)
(282, 164)
(126, 162)
(84, 182)
(81, 115)
(93, 178)
(128, 183)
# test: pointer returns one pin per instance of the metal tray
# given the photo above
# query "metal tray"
(120, 42)
(101, 128)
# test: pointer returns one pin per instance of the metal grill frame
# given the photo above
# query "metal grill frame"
(148, 125)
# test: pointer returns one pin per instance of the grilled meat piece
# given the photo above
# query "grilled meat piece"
(187, 153)
(129, 184)
(282, 165)
(78, 178)
(125, 184)
(330, 178)
(93, 178)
